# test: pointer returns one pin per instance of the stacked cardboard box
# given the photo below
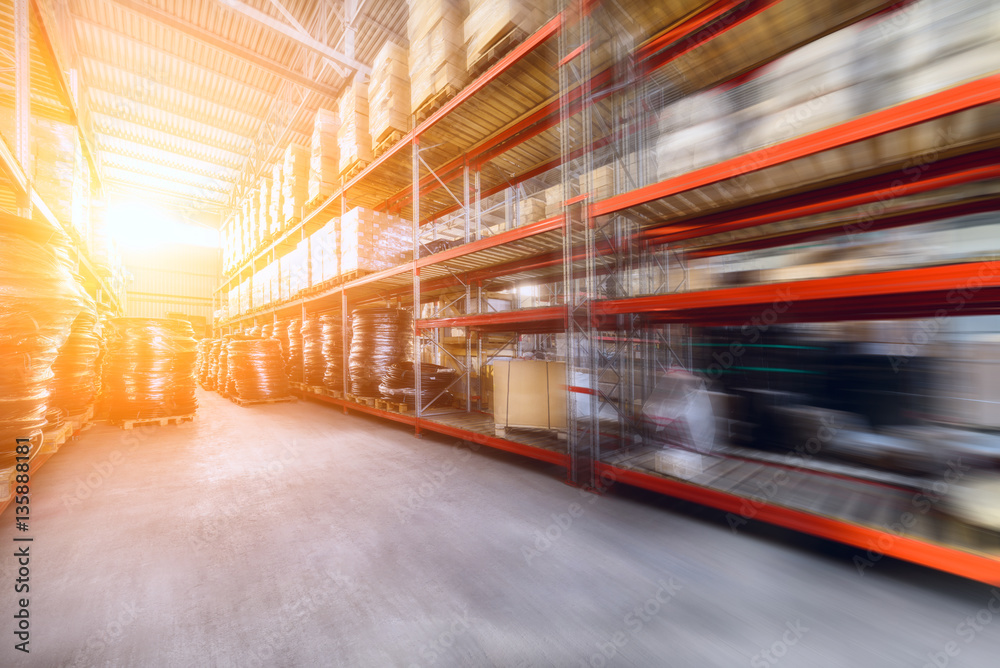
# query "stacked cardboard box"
(295, 183)
(353, 137)
(324, 155)
(491, 20)
(532, 210)
(435, 29)
(324, 253)
(603, 185)
(553, 200)
(389, 93)
(373, 241)
(264, 205)
(245, 297)
(276, 205)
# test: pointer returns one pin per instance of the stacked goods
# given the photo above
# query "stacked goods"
(695, 131)
(324, 156)
(437, 49)
(294, 364)
(381, 338)
(489, 21)
(389, 93)
(399, 384)
(245, 296)
(353, 138)
(149, 370)
(313, 362)
(266, 330)
(40, 302)
(295, 184)
(373, 241)
(254, 331)
(333, 351)
(75, 379)
(276, 205)
(222, 366)
(603, 183)
(279, 332)
(553, 201)
(55, 149)
(264, 209)
(212, 368)
(204, 362)
(324, 258)
(257, 370)
(532, 210)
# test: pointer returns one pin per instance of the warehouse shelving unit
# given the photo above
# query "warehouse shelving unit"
(612, 270)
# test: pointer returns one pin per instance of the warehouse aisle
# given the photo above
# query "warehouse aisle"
(293, 535)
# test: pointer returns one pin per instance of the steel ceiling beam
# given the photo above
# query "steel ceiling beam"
(300, 38)
(208, 38)
(218, 174)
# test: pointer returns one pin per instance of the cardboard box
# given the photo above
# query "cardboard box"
(324, 155)
(529, 394)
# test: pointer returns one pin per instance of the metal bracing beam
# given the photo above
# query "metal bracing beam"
(129, 128)
(295, 35)
(135, 151)
(229, 162)
(173, 178)
(231, 48)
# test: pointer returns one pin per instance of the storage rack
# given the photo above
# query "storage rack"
(611, 268)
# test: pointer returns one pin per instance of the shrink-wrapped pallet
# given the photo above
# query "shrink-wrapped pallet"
(435, 29)
(353, 137)
(324, 155)
(489, 21)
(323, 252)
(264, 203)
(389, 93)
(295, 183)
(277, 203)
(373, 241)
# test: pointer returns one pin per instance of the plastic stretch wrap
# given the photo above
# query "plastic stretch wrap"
(204, 365)
(257, 369)
(381, 338)
(399, 384)
(333, 352)
(294, 364)
(313, 362)
(222, 366)
(75, 383)
(211, 369)
(149, 371)
(280, 333)
(39, 300)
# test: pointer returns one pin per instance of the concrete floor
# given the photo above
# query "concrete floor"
(293, 535)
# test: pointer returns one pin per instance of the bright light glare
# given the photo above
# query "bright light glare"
(141, 225)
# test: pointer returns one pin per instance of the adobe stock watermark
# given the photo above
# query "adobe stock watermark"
(438, 647)
(91, 651)
(632, 624)
(770, 656)
(432, 481)
(544, 539)
(803, 454)
(921, 503)
(968, 630)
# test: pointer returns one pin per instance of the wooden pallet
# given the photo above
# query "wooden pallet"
(162, 421)
(393, 406)
(365, 401)
(349, 276)
(387, 143)
(324, 391)
(354, 169)
(496, 51)
(257, 402)
(51, 440)
(434, 102)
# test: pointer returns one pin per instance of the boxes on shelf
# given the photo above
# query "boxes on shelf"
(389, 93)
(323, 254)
(295, 270)
(529, 394)
(489, 21)
(603, 183)
(264, 209)
(246, 299)
(324, 155)
(295, 183)
(373, 241)
(553, 200)
(532, 210)
(353, 138)
(436, 32)
(277, 203)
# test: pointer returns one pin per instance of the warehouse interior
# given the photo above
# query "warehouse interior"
(494, 333)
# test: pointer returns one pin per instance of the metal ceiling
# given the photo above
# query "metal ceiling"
(187, 102)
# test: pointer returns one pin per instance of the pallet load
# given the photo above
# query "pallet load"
(532, 210)
(264, 209)
(276, 205)
(323, 256)
(324, 156)
(435, 29)
(373, 241)
(389, 97)
(493, 27)
(353, 137)
(257, 371)
(57, 173)
(295, 184)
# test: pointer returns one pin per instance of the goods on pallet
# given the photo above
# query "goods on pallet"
(333, 351)
(203, 368)
(373, 241)
(293, 366)
(149, 370)
(353, 138)
(490, 21)
(41, 301)
(279, 332)
(380, 338)
(324, 256)
(313, 362)
(389, 93)
(264, 209)
(257, 369)
(399, 384)
(295, 184)
(276, 205)
(222, 365)
(75, 379)
(324, 155)
(437, 49)
(529, 394)
(211, 373)
(532, 210)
